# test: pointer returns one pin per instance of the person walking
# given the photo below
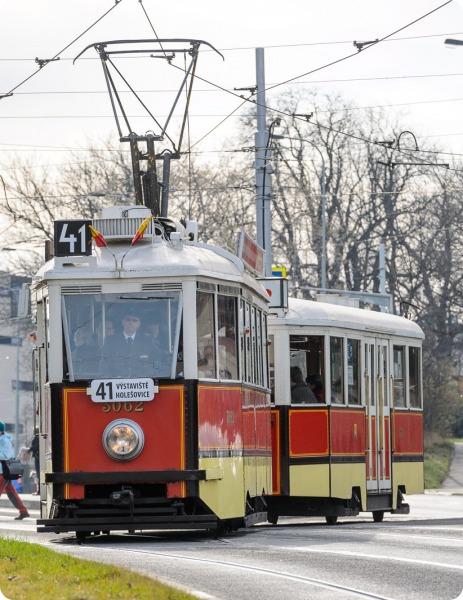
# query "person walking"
(35, 453)
(7, 453)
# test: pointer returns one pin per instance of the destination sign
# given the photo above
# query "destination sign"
(250, 253)
(122, 390)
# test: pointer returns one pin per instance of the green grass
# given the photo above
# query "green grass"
(437, 459)
(30, 572)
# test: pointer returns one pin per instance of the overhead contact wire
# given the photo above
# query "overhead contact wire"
(367, 47)
(57, 55)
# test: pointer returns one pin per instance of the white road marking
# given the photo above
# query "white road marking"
(401, 535)
(415, 561)
(280, 574)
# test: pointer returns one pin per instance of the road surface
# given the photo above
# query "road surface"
(413, 557)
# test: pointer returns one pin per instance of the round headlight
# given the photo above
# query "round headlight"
(123, 439)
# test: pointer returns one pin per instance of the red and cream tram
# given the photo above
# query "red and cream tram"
(347, 417)
(152, 370)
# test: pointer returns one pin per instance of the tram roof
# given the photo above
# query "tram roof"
(146, 260)
(322, 314)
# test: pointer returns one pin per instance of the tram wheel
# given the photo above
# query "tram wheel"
(331, 519)
(81, 536)
(272, 518)
(378, 516)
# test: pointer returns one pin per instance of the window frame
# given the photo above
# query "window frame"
(404, 346)
(360, 358)
(419, 378)
(343, 394)
(309, 334)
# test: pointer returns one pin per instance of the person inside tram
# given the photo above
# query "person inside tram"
(206, 363)
(315, 384)
(159, 343)
(300, 392)
(86, 355)
(104, 334)
(128, 353)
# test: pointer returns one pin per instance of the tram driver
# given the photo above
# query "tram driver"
(128, 353)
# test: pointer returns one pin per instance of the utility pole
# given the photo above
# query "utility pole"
(323, 236)
(263, 168)
(382, 270)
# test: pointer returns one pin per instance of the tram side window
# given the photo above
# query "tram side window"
(228, 342)
(337, 370)
(271, 364)
(264, 346)
(206, 335)
(353, 371)
(399, 377)
(307, 369)
(242, 341)
(414, 377)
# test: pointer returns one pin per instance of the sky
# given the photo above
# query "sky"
(65, 106)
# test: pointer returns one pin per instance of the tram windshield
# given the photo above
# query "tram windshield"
(122, 335)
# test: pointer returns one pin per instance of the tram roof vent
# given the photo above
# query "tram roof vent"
(119, 223)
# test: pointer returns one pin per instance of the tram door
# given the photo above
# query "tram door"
(378, 401)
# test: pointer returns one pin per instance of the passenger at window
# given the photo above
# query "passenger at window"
(316, 385)
(206, 363)
(129, 353)
(228, 359)
(103, 334)
(300, 392)
(86, 355)
(159, 343)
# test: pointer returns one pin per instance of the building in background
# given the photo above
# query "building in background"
(16, 396)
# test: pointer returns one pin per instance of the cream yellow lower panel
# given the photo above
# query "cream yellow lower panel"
(264, 475)
(309, 480)
(410, 475)
(344, 477)
(225, 497)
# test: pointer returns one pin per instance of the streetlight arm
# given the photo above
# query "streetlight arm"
(453, 42)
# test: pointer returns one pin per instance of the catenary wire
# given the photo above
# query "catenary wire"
(57, 55)
(317, 81)
(367, 47)
(267, 46)
(152, 26)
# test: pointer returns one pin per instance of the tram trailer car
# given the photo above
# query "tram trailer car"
(172, 428)
(347, 412)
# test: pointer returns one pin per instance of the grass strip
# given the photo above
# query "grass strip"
(29, 572)
(437, 458)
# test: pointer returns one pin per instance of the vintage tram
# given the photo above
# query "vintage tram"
(151, 365)
(347, 414)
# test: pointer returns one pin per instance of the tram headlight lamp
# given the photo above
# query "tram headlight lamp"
(123, 439)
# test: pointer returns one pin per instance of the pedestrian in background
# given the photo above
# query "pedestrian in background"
(7, 453)
(34, 451)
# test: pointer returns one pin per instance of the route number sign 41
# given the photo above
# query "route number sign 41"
(72, 238)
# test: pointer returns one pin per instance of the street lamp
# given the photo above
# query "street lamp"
(453, 42)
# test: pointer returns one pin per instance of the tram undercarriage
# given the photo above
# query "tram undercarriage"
(332, 508)
(140, 507)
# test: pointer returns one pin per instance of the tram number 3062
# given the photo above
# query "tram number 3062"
(123, 406)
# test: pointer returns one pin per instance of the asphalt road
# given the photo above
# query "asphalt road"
(418, 556)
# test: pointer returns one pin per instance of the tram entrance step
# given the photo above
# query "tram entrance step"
(379, 502)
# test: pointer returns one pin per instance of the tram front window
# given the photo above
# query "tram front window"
(122, 335)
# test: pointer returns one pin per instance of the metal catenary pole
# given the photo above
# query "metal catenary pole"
(263, 169)
(323, 236)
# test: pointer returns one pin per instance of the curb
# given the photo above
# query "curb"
(30, 502)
